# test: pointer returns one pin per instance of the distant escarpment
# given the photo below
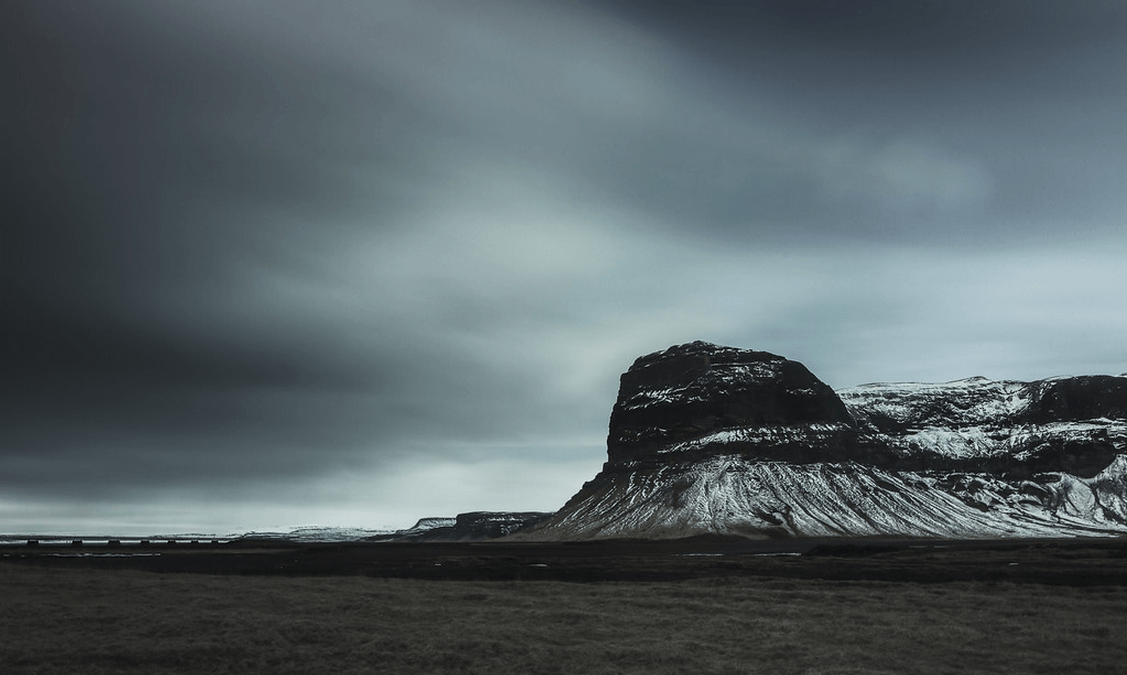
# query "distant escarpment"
(709, 439)
(473, 526)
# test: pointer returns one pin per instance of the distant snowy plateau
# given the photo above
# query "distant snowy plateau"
(715, 440)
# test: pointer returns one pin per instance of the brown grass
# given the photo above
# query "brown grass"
(59, 620)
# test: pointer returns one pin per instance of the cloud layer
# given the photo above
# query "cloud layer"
(275, 263)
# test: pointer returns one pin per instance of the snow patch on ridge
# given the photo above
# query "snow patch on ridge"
(974, 400)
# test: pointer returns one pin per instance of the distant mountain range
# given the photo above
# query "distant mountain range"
(472, 526)
(707, 439)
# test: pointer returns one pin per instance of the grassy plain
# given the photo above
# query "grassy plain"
(60, 619)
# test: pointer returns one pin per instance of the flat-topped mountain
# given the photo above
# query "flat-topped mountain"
(473, 526)
(710, 439)
(699, 397)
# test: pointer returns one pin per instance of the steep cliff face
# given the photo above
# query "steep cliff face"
(709, 439)
(677, 401)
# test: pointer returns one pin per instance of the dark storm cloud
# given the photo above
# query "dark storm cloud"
(147, 167)
(160, 176)
(379, 253)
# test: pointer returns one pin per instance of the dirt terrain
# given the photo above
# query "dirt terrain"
(1068, 562)
(702, 606)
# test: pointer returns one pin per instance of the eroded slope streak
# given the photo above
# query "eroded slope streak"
(708, 439)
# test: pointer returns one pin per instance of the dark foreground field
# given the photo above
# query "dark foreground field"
(691, 607)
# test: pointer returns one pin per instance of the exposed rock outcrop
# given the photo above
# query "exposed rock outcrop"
(473, 526)
(698, 399)
(708, 439)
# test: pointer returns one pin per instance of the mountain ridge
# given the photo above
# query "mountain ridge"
(705, 439)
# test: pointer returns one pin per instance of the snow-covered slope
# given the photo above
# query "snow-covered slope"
(733, 495)
(707, 439)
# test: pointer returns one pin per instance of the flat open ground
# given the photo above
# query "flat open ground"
(708, 606)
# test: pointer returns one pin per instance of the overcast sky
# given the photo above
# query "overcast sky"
(269, 264)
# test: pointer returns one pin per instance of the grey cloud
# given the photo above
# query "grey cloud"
(1020, 92)
(261, 246)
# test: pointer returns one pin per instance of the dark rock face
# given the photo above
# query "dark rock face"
(709, 439)
(1077, 398)
(493, 524)
(687, 392)
(473, 526)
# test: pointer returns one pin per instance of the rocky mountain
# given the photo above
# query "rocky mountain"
(709, 439)
(473, 526)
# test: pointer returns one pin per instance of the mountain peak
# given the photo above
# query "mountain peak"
(707, 439)
(691, 391)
